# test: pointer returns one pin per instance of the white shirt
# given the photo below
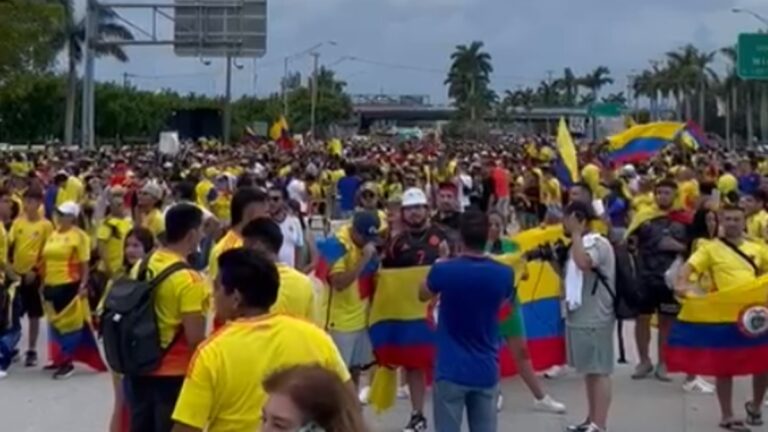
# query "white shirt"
(465, 182)
(293, 237)
(297, 190)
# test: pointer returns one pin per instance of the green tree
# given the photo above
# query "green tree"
(569, 84)
(70, 37)
(468, 80)
(595, 81)
(24, 37)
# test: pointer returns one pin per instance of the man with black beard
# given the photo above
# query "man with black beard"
(419, 244)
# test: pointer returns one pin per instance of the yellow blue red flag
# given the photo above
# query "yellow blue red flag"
(722, 334)
(642, 142)
(567, 166)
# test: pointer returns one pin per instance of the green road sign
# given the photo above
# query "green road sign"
(753, 56)
(605, 110)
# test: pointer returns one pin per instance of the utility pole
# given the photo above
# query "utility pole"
(284, 87)
(550, 74)
(227, 102)
(313, 114)
(87, 139)
(125, 80)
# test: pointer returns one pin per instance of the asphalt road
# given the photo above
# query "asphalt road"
(30, 401)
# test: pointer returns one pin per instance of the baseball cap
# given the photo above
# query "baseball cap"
(366, 224)
(414, 197)
(69, 208)
(153, 190)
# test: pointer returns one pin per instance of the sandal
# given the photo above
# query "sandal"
(735, 426)
(754, 418)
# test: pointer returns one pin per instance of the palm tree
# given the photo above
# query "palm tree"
(690, 71)
(596, 80)
(548, 93)
(730, 86)
(71, 37)
(617, 98)
(569, 84)
(468, 79)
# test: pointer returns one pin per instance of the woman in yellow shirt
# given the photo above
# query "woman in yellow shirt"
(65, 272)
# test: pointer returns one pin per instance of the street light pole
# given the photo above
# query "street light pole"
(228, 102)
(284, 87)
(756, 15)
(316, 56)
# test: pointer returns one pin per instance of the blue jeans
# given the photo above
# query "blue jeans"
(450, 400)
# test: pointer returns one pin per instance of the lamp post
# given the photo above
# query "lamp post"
(287, 59)
(756, 15)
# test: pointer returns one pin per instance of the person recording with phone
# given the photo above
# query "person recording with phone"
(588, 269)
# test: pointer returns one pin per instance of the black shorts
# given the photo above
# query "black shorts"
(60, 296)
(658, 298)
(31, 301)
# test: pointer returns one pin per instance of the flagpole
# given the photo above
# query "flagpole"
(313, 115)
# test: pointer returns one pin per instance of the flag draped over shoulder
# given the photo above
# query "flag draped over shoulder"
(722, 333)
(71, 336)
(333, 249)
(567, 166)
(641, 142)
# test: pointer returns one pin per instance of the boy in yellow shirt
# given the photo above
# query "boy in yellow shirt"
(223, 388)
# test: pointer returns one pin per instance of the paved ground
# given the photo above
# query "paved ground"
(31, 402)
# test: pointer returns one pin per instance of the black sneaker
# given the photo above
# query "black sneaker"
(30, 359)
(64, 372)
(417, 423)
(582, 427)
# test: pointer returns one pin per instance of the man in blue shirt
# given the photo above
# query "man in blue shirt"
(347, 190)
(471, 289)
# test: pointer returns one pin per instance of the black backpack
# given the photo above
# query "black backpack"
(129, 323)
(627, 297)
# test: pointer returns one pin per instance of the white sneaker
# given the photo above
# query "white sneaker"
(547, 404)
(500, 402)
(403, 392)
(364, 395)
(554, 372)
(3, 374)
(698, 385)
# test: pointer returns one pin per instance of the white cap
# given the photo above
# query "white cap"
(414, 197)
(69, 208)
(628, 169)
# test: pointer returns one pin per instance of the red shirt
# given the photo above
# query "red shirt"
(500, 178)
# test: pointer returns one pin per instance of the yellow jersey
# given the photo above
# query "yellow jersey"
(183, 292)
(727, 269)
(296, 295)
(591, 176)
(727, 183)
(202, 189)
(757, 224)
(231, 240)
(111, 234)
(72, 190)
(223, 389)
(346, 310)
(27, 239)
(154, 222)
(64, 254)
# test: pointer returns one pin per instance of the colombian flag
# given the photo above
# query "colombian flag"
(335, 248)
(71, 336)
(279, 133)
(641, 142)
(722, 334)
(567, 165)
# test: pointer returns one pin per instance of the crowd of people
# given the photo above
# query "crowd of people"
(256, 327)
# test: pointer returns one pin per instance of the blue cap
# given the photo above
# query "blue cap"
(366, 224)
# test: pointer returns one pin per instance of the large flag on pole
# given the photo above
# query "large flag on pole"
(280, 133)
(567, 165)
(642, 142)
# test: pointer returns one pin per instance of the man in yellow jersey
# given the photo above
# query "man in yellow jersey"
(148, 211)
(247, 204)
(296, 296)
(345, 305)
(223, 388)
(181, 302)
(111, 233)
(27, 237)
(733, 261)
(753, 204)
(70, 188)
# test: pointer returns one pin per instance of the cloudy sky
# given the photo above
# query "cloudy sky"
(406, 43)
